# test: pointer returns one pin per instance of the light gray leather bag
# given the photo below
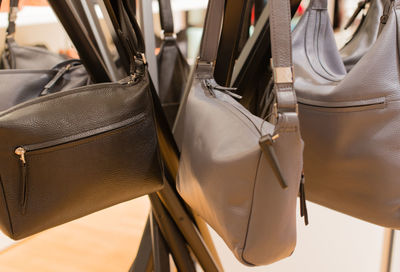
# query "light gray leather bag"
(365, 34)
(242, 174)
(350, 123)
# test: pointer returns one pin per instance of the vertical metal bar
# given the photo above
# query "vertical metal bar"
(87, 51)
(174, 238)
(146, 23)
(188, 229)
(94, 23)
(77, 4)
(229, 40)
(112, 23)
(159, 248)
(387, 252)
(144, 257)
(256, 46)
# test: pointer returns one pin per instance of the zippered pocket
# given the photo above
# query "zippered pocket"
(26, 152)
(346, 106)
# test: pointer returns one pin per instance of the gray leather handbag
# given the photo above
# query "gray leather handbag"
(365, 34)
(241, 173)
(24, 57)
(350, 122)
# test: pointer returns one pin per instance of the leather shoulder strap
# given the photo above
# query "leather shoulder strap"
(281, 51)
(212, 30)
(166, 18)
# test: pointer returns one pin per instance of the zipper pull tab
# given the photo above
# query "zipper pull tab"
(303, 203)
(20, 151)
(386, 11)
(55, 79)
(228, 90)
(360, 7)
(266, 143)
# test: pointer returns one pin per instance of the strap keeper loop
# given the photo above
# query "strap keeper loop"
(282, 74)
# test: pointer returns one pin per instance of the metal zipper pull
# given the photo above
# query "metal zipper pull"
(55, 79)
(303, 203)
(386, 11)
(266, 143)
(20, 151)
(228, 90)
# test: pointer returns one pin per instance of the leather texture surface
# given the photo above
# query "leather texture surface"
(224, 175)
(20, 85)
(172, 77)
(24, 57)
(365, 35)
(351, 124)
(67, 154)
(86, 149)
(28, 57)
(172, 66)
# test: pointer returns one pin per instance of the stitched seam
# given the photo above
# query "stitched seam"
(251, 208)
(6, 204)
(79, 90)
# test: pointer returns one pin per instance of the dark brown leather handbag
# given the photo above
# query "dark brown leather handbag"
(173, 69)
(24, 57)
(68, 154)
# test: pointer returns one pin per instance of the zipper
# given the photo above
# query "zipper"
(350, 105)
(227, 90)
(20, 151)
(56, 78)
(266, 142)
(303, 203)
(23, 150)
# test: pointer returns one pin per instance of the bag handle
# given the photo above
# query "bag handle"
(211, 31)
(166, 17)
(281, 47)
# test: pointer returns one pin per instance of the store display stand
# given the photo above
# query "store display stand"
(171, 228)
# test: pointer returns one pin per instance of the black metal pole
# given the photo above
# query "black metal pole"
(159, 247)
(171, 233)
(87, 51)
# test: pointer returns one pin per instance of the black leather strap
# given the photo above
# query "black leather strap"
(122, 14)
(12, 17)
(166, 18)
(228, 49)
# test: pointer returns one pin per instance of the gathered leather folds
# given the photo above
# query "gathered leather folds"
(241, 173)
(350, 122)
(173, 67)
(365, 34)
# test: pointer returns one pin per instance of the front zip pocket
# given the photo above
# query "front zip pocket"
(25, 151)
(346, 106)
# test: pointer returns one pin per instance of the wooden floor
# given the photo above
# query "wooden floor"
(105, 241)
